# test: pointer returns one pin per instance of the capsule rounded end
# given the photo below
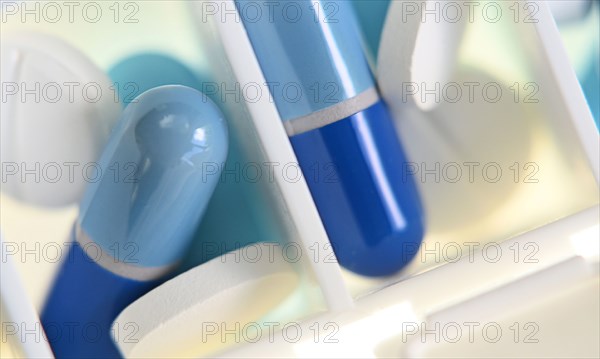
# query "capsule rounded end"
(156, 176)
(391, 252)
(366, 196)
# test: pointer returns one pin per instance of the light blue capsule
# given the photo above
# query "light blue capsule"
(156, 176)
(309, 53)
(255, 219)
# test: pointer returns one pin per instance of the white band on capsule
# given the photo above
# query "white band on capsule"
(333, 113)
(116, 266)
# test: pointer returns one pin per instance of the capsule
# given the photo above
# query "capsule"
(342, 134)
(150, 189)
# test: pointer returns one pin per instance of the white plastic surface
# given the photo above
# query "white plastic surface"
(21, 327)
(435, 46)
(278, 150)
(381, 321)
(551, 314)
(572, 94)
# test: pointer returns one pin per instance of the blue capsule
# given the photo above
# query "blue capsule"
(341, 132)
(149, 191)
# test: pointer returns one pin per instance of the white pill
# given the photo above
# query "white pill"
(235, 290)
(57, 112)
